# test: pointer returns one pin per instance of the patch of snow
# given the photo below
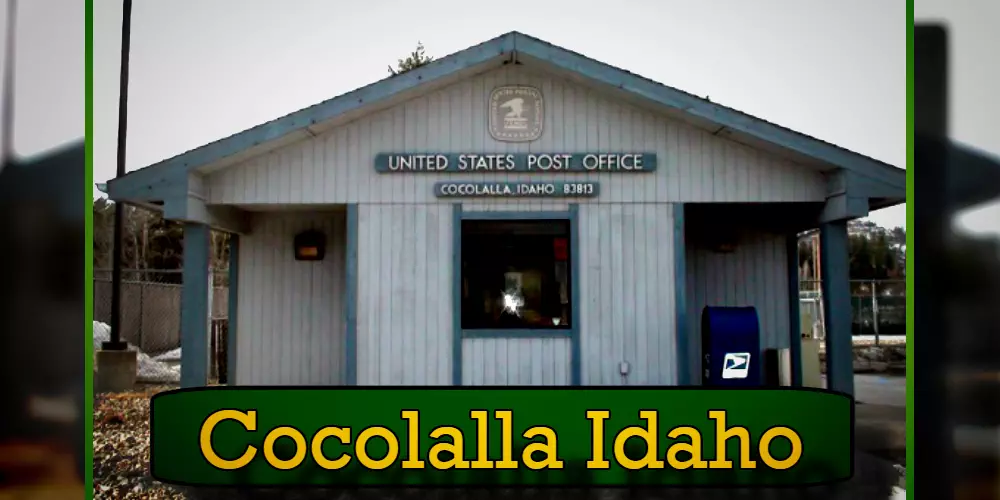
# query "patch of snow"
(147, 368)
(897, 493)
(174, 355)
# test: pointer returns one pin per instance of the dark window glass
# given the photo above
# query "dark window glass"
(516, 274)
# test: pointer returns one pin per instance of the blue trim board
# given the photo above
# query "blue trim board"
(458, 215)
(684, 353)
(194, 307)
(233, 303)
(516, 215)
(526, 333)
(456, 294)
(575, 360)
(351, 298)
(794, 308)
(497, 51)
(833, 243)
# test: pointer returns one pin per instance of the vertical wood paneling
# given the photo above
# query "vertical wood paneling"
(336, 166)
(290, 312)
(627, 288)
(404, 315)
(755, 274)
(538, 361)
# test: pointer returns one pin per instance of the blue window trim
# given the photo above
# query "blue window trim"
(458, 215)
(518, 333)
(686, 357)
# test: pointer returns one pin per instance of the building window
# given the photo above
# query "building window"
(516, 274)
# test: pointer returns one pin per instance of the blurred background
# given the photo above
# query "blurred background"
(957, 236)
(42, 202)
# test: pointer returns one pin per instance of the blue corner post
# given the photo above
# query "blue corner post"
(684, 353)
(233, 303)
(194, 307)
(794, 309)
(351, 302)
(837, 305)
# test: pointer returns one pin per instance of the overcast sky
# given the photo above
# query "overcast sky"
(202, 70)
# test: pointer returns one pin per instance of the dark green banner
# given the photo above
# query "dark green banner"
(533, 436)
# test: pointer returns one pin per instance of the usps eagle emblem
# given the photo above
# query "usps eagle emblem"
(516, 113)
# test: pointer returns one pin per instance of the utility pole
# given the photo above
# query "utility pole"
(8, 87)
(115, 343)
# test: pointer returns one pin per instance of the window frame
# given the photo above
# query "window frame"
(574, 266)
(554, 331)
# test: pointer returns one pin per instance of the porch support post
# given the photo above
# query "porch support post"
(794, 311)
(686, 357)
(194, 307)
(233, 303)
(351, 299)
(837, 305)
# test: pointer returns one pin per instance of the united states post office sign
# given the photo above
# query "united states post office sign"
(518, 162)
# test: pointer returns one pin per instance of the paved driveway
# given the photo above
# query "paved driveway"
(888, 390)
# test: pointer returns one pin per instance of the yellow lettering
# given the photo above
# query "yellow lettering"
(413, 437)
(765, 447)
(597, 418)
(342, 434)
(273, 437)
(506, 440)
(722, 435)
(648, 434)
(455, 448)
(482, 440)
(694, 448)
(249, 422)
(362, 453)
(549, 448)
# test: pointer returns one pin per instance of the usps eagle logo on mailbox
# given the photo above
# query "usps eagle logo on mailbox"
(736, 365)
(516, 113)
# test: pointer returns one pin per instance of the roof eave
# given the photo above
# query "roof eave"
(148, 179)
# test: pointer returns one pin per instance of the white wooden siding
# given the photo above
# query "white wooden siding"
(755, 274)
(337, 166)
(291, 322)
(627, 287)
(537, 361)
(404, 330)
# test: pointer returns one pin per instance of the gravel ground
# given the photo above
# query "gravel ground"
(121, 471)
(121, 448)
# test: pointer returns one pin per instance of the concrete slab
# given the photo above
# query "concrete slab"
(116, 371)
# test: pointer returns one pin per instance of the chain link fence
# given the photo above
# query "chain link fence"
(151, 320)
(878, 309)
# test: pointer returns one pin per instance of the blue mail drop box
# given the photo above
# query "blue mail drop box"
(730, 346)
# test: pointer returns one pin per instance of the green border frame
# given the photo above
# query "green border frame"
(88, 252)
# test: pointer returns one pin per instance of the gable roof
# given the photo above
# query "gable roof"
(154, 181)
